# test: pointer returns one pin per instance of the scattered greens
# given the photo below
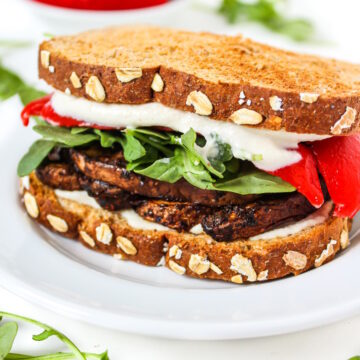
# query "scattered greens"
(12, 44)
(165, 156)
(11, 84)
(8, 332)
(266, 13)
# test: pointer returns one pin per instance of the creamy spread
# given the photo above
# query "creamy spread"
(246, 143)
(137, 222)
(318, 217)
(80, 197)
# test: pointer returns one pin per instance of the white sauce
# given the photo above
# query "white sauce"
(133, 219)
(80, 197)
(244, 141)
(137, 222)
(318, 217)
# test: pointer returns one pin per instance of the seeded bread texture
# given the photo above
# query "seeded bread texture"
(186, 254)
(295, 92)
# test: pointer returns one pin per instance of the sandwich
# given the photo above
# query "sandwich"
(215, 156)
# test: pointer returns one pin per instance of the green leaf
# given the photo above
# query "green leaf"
(159, 145)
(265, 12)
(133, 150)
(193, 171)
(34, 157)
(10, 83)
(188, 140)
(254, 182)
(166, 169)
(44, 335)
(79, 130)
(107, 139)
(64, 136)
(28, 93)
(5, 43)
(57, 356)
(76, 352)
(355, 357)
(160, 136)
(150, 157)
(8, 333)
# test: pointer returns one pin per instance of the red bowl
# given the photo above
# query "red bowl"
(103, 5)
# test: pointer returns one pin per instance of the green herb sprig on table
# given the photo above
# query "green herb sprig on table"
(265, 12)
(8, 333)
(11, 84)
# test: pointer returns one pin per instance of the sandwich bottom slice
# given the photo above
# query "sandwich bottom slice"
(119, 233)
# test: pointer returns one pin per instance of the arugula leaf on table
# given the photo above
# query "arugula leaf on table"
(7, 43)
(8, 333)
(28, 93)
(11, 84)
(266, 13)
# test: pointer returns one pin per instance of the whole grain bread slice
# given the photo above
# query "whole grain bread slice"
(186, 254)
(220, 76)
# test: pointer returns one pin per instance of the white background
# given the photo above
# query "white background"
(338, 24)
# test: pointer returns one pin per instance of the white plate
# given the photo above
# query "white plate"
(69, 279)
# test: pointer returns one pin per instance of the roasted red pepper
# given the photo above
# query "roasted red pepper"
(303, 176)
(338, 160)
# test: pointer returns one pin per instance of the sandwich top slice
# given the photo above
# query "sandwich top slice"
(218, 156)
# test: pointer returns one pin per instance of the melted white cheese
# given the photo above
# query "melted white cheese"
(80, 197)
(137, 222)
(318, 217)
(245, 142)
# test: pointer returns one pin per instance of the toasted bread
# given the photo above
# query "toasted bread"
(210, 74)
(194, 255)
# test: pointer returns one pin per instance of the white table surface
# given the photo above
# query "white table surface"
(338, 23)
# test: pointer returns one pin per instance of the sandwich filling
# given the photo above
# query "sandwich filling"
(184, 171)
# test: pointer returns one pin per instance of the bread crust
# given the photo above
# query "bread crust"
(194, 255)
(314, 92)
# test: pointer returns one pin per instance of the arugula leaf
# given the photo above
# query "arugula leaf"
(166, 169)
(77, 130)
(28, 93)
(153, 141)
(57, 356)
(133, 150)
(5, 43)
(106, 138)
(254, 182)
(188, 140)
(63, 135)
(150, 157)
(10, 83)
(8, 333)
(34, 157)
(193, 171)
(76, 352)
(266, 13)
